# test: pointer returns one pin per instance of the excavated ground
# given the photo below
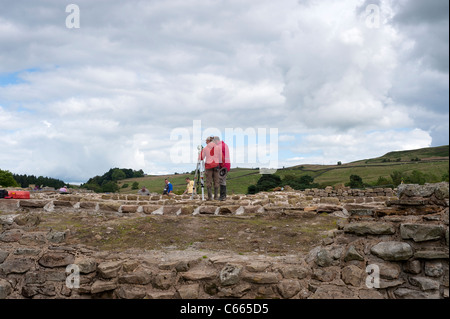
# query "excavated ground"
(272, 234)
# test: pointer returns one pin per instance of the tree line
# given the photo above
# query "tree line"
(107, 183)
(270, 182)
(8, 179)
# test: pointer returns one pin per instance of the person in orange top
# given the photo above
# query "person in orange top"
(211, 157)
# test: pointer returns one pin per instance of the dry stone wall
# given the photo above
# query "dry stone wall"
(386, 245)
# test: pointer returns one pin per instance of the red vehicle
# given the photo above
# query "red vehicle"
(18, 195)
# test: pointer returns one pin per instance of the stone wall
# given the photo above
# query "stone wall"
(403, 238)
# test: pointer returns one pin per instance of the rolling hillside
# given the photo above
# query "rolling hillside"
(433, 162)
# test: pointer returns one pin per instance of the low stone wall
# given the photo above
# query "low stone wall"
(392, 249)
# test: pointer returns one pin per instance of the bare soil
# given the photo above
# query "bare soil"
(273, 234)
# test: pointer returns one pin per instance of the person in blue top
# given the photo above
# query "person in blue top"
(168, 189)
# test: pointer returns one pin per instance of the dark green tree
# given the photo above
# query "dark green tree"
(7, 179)
(135, 185)
(267, 182)
(110, 187)
(118, 174)
(356, 182)
(251, 189)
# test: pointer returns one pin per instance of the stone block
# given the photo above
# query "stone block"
(262, 278)
(129, 208)
(406, 293)
(56, 259)
(438, 253)
(189, 291)
(86, 265)
(393, 251)
(434, 268)
(370, 228)
(3, 255)
(352, 254)
(102, 286)
(194, 275)
(353, 275)
(413, 266)
(27, 251)
(421, 232)
(109, 269)
(330, 200)
(323, 258)
(33, 238)
(16, 266)
(325, 274)
(164, 280)
(109, 207)
(12, 235)
(62, 203)
(33, 203)
(5, 289)
(88, 205)
(424, 283)
(171, 210)
(149, 209)
(135, 278)
(288, 288)
(295, 272)
(131, 292)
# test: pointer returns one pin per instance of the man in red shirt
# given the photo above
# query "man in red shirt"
(211, 156)
(224, 166)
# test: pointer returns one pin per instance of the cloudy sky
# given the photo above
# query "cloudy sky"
(335, 80)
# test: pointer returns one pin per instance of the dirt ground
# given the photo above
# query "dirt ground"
(272, 234)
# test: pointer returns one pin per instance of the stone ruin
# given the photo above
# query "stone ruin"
(388, 244)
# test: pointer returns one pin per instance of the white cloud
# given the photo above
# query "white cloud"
(110, 93)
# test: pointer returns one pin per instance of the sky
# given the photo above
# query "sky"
(139, 84)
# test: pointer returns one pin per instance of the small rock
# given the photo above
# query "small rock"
(352, 254)
(5, 289)
(413, 267)
(229, 275)
(323, 258)
(56, 236)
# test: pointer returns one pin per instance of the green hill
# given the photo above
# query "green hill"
(432, 163)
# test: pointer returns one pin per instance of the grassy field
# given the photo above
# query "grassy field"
(434, 161)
